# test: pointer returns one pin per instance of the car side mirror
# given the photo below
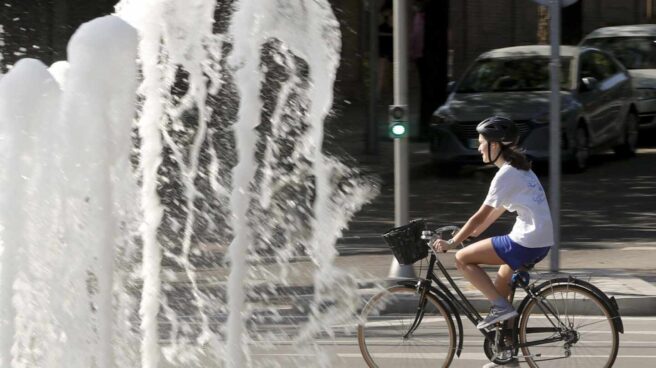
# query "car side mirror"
(450, 86)
(589, 84)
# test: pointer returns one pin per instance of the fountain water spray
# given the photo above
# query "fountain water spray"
(235, 190)
(68, 177)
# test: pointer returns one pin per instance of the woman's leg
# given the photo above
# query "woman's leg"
(467, 261)
(502, 282)
(382, 77)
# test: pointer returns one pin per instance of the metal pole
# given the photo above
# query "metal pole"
(554, 130)
(401, 145)
(372, 127)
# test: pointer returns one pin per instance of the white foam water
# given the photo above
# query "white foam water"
(235, 190)
(28, 95)
(66, 185)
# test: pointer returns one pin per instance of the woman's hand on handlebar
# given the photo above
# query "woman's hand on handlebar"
(441, 245)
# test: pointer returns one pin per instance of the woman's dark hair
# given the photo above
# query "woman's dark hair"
(515, 157)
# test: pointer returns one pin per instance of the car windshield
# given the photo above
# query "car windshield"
(633, 52)
(512, 74)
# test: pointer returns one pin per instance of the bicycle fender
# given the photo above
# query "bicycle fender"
(451, 310)
(610, 303)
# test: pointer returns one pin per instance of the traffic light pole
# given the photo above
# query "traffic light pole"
(372, 131)
(401, 144)
(554, 132)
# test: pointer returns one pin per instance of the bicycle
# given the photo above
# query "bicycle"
(421, 322)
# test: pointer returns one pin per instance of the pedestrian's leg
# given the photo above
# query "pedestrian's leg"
(382, 77)
(502, 282)
(467, 261)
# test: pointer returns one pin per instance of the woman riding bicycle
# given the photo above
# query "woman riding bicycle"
(515, 188)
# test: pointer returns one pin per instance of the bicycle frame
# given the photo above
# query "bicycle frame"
(505, 337)
(461, 303)
(464, 306)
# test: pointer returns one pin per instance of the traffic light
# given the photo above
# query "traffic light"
(398, 121)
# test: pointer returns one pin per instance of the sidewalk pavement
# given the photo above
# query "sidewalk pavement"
(632, 287)
(635, 295)
(628, 274)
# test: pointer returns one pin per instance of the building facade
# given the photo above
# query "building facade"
(480, 25)
(41, 28)
(476, 26)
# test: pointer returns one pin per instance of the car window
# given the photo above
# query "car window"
(632, 52)
(597, 65)
(512, 74)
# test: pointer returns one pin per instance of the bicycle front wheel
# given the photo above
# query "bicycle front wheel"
(580, 325)
(386, 337)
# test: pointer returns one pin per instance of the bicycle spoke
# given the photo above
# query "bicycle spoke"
(381, 335)
(565, 298)
(557, 310)
(573, 315)
(592, 323)
(586, 347)
(550, 307)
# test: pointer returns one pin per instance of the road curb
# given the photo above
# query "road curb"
(629, 305)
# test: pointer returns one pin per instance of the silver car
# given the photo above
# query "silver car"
(598, 109)
(635, 47)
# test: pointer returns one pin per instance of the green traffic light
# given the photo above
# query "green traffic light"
(398, 130)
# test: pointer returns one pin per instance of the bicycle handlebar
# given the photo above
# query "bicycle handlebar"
(432, 235)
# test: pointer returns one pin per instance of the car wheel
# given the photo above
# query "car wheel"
(630, 142)
(581, 151)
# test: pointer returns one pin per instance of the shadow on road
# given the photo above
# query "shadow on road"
(612, 204)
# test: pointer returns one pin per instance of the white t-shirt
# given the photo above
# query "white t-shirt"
(520, 191)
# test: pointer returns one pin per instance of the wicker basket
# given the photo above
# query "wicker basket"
(406, 243)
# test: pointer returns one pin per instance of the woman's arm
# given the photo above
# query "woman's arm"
(474, 223)
(491, 218)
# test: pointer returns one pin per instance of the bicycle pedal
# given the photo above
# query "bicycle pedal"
(491, 328)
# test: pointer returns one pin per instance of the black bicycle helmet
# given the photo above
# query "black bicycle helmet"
(499, 129)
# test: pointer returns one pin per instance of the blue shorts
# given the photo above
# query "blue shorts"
(516, 255)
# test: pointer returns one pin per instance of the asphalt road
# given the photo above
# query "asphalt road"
(609, 215)
(611, 205)
(637, 349)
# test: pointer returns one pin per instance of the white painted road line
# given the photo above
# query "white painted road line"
(354, 342)
(473, 356)
(632, 318)
(463, 356)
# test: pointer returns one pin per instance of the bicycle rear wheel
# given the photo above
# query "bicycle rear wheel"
(589, 335)
(383, 333)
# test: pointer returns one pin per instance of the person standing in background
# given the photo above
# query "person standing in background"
(385, 47)
(417, 56)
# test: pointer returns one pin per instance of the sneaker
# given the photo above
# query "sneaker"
(497, 315)
(511, 364)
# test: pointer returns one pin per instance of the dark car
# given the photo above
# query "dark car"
(597, 105)
(635, 47)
